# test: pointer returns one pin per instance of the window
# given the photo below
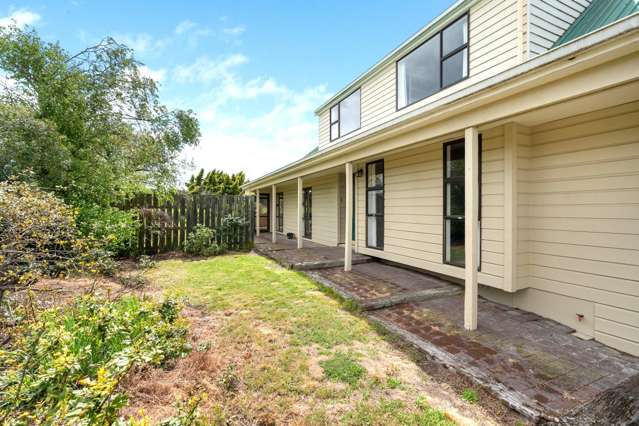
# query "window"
(437, 63)
(265, 212)
(455, 202)
(279, 211)
(345, 116)
(375, 205)
(307, 205)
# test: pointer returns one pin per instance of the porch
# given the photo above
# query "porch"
(535, 210)
(535, 365)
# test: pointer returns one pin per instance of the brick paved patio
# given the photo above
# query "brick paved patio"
(376, 285)
(533, 364)
(311, 256)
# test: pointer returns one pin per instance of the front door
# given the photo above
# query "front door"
(307, 204)
(265, 212)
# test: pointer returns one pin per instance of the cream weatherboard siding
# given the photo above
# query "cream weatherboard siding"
(580, 224)
(494, 46)
(325, 208)
(549, 19)
(290, 206)
(492, 208)
(413, 203)
(324, 129)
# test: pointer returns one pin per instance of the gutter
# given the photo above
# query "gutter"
(554, 55)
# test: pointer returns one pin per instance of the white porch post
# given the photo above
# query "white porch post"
(348, 239)
(257, 212)
(273, 215)
(471, 148)
(300, 214)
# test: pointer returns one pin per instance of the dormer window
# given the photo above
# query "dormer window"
(439, 62)
(345, 115)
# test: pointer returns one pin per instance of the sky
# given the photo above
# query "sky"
(252, 71)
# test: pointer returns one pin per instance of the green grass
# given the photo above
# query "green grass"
(393, 383)
(343, 368)
(470, 395)
(288, 300)
(294, 345)
(395, 412)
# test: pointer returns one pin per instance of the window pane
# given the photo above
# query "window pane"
(334, 114)
(418, 73)
(349, 109)
(376, 202)
(375, 231)
(455, 36)
(454, 68)
(455, 242)
(455, 200)
(264, 206)
(455, 160)
(335, 131)
(380, 231)
(375, 174)
(372, 231)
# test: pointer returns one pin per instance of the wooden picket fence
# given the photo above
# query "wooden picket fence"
(164, 225)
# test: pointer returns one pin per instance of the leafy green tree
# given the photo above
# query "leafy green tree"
(88, 125)
(216, 182)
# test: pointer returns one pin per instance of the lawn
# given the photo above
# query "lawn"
(285, 352)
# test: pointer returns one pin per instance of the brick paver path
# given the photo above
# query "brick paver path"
(373, 281)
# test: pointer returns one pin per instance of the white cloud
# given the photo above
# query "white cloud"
(184, 26)
(156, 74)
(255, 125)
(205, 70)
(141, 43)
(234, 31)
(20, 18)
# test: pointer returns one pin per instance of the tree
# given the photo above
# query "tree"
(87, 126)
(216, 182)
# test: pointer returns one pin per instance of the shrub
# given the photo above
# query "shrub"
(65, 366)
(231, 227)
(146, 262)
(111, 229)
(38, 237)
(201, 242)
(188, 413)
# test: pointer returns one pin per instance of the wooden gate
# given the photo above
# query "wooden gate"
(164, 225)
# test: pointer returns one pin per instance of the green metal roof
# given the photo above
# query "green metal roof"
(599, 14)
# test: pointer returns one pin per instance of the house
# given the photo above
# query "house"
(499, 148)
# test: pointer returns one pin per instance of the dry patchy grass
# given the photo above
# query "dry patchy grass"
(275, 334)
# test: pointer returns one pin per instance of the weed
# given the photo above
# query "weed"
(203, 346)
(470, 395)
(146, 262)
(393, 383)
(134, 281)
(343, 368)
(228, 379)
